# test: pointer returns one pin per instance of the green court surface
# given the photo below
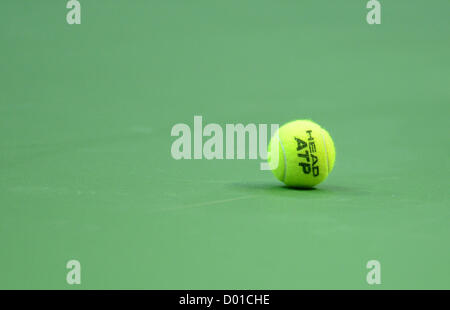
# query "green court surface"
(86, 172)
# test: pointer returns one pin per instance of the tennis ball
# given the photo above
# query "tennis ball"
(301, 154)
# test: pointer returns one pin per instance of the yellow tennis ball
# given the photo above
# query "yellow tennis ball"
(301, 154)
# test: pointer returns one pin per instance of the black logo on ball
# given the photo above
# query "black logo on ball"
(308, 159)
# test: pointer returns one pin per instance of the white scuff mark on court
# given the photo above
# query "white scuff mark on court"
(208, 203)
(196, 181)
(31, 190)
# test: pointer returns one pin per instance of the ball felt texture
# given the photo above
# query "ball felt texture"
(301, 154)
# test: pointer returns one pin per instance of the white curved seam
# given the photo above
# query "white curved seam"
(284, 156)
